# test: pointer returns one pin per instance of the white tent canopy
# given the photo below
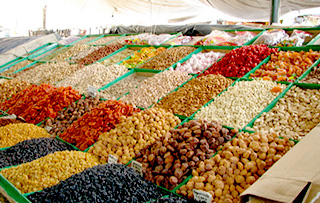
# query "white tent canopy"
(23, 15)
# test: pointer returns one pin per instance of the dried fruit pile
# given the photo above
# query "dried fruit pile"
(240, 61)
(10, 88)
(85, 131)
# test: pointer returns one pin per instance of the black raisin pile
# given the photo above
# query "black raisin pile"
(30, 150)
(112, 183)
(173, 199)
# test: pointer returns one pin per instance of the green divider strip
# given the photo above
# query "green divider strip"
(43, 51)
(74, 147)
(116, 80)
(13, 64)
(41, 47)
(78, 40)
(264, 61)
(112, 54)
(12, 191)
(314, 40)
(308, 70)
(10, 62)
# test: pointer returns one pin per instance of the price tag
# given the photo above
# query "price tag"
(92, 91)
(137, 167)
(112, 159)
(48, 128)
(202, 196)
(12, 116)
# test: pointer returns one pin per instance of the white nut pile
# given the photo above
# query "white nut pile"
(199, 62)
(49, 72)
(83, 53)
(96, 75)
(294, 115)
(71, 52)
(16, 67)
(121, 87)
(153, 89)
(118, 57)
(237, 106)
(85, 40)
(104, 40)
(122, 40)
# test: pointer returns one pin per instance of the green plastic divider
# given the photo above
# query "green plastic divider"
(4, 148)
(106, 35)
(308, 70)
(41, 47)
(74, 147)
(82, 37)
(314, 40)
(116, 80)
(43, 51)
(247, 75)
(12, 191)
(28, 66)
(112, 54)
(10, 62)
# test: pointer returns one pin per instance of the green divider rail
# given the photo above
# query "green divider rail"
(43, 51)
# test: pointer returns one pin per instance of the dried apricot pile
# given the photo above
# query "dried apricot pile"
(286, 65)
(85, 131)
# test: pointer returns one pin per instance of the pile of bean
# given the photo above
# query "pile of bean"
(16, 67)
(199, 62)
(104, 183)
(194, 94)
(25, 98)
(171, 159)
(240, 61)
(85, 131)
(142, 56)
(83, 53)
(294, 115)
(50, 73)
(70, 114)
(133, 134)
(153, 89)
(49, 105)
(30, 150)
(286, 65)
(14, 133)
(313, 77)
(72, 51)
(118, 57)
(99, 53)
(85, 40)
(49, 170)
(104, 40)
(237, 106)
(101, 76)
(167, 58)
(20, 73)
(10, 88)
(4, 122)
(237, 166)
(120, 88)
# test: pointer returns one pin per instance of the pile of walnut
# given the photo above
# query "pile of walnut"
(237, 166)
(170, 160)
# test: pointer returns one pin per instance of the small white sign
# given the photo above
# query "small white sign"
(137, 167)
(48, 128)
(12, 116)
(202, 196)
(112, 159)
(92, 91)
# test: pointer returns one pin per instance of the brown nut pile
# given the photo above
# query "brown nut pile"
(313, 77)
(294, 115)
(103, 51)
(11, 87)
(50, 72)
(193, 95)
(104, 40)
(70, 114)
(153, 89)
(237, 166)
(15, 68)
(171, 159)
(120, 88)
(167, 58)
(133, 134)
(48, 170)
(118, 57)
(70, 52)
(14, 133)
(83, 53)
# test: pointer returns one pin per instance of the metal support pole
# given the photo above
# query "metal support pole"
(275, 8)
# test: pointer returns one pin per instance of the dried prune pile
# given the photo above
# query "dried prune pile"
(173, 199)
(30, 150)
(103, 183)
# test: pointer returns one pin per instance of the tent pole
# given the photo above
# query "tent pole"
(274, 17)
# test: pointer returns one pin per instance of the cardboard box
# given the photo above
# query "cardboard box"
(294, 178)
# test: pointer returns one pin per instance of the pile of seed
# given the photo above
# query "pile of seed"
(30, 150)
(111, 183)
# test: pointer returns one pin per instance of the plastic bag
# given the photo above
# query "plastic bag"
(272, 37)
(297, 38)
